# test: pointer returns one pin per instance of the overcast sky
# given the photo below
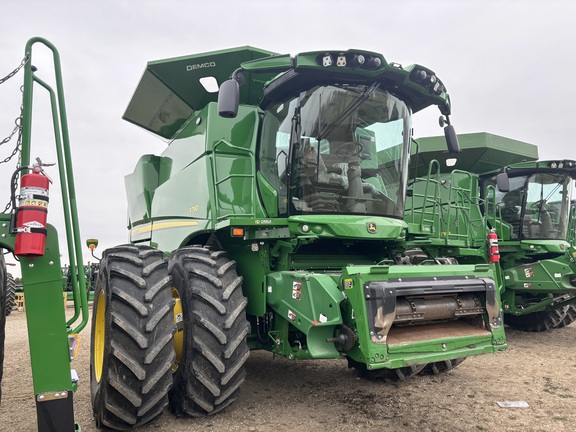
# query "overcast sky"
(507, 65)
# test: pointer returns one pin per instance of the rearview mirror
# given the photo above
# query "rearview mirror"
(451, 139)
(503, 182)
(229, 98)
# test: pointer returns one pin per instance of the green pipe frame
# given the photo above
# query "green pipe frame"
(68, 191)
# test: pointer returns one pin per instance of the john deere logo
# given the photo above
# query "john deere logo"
(372, 228)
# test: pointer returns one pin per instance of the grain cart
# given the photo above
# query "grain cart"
(527, 202)
(24, 231)
(273, 220)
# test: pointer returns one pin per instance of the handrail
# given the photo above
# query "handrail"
(457, 201)
(62, 139)
(218, 181)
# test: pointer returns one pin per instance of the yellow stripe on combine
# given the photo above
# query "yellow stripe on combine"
(161, 225)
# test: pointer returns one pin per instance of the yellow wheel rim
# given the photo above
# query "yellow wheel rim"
(179, 323)
(99, 335)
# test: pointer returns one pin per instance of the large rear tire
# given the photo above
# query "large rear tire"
(212, 331)
(3, 284)
(10, 294)
(131, 352)
(537, 321)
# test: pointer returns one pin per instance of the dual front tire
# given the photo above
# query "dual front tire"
(166, 332)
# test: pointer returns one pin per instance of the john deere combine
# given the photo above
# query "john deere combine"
(273, 220)
(527, 202)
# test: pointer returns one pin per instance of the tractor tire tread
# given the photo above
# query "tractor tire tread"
(215, 331)
(139, 327)
(440, 367)
(10, 294)
(540, 321)
(569, 318)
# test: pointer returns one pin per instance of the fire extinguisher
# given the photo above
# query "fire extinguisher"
(493, 249)
(31, 214)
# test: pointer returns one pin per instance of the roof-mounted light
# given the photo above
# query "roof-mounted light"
(562, 164)
(373, 63)
(349, 60)
(358, 60)
(418, 75)
(427, 80)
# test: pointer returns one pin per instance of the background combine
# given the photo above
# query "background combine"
(528, 203)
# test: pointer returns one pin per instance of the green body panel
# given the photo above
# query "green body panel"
(311, 303)
(352, 227)
(47, 330)
(551, 275)
(202, 158)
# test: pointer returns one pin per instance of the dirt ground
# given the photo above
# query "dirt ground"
(280, 395)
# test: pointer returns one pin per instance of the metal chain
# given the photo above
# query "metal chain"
(15, 152)
(17, 129)
(15, 71)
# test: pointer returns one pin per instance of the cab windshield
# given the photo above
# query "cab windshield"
(537, 206)
(338, 149)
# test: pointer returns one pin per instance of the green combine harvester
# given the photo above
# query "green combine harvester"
(274, 220)
(528, 203)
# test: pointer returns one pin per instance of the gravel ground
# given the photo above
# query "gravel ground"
(280, 395)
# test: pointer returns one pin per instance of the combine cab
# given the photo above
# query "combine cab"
(273, 220)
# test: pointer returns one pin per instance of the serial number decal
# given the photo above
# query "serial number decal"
(263, 221)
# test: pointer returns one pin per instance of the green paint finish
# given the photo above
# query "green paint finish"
(269, 195)
(253, 266)
(222, 174)
(549, 276)
(47, 330)
(310, 303)
(348, 227)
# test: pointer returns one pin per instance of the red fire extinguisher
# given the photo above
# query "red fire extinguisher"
(493, 249)
(31, 214)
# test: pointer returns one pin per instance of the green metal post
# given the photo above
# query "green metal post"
(48, 331)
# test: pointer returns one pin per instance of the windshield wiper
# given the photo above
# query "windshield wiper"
(361, 98)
